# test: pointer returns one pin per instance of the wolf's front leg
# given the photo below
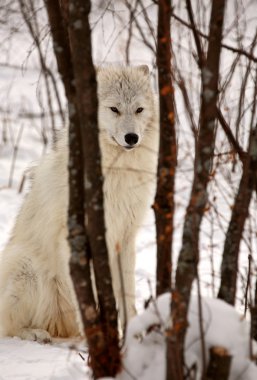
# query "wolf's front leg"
(123, 273)
(19, 297)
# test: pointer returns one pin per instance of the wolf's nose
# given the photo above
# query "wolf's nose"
(131, 138)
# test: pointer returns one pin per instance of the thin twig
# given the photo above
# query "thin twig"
(201, 327)
(14, 156)
(225, 46)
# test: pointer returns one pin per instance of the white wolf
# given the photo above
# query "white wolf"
(36, 292)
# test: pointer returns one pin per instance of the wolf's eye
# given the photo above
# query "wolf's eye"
(139, 110)
(114, 109)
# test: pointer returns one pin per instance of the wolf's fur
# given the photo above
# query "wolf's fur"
(37, 297)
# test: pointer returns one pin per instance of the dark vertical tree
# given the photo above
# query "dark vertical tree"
(229, 266)
(189, 254)
(219, 364)
(247, 185)
(72, 44)
(254, 310)
(164, 199)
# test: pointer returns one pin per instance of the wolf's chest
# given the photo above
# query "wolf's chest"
(122, 184)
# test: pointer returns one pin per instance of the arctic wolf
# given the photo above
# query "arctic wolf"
(37, 299)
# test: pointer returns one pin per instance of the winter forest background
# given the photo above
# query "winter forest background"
(33, 110)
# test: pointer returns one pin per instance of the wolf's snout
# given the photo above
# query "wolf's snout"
(131, 138)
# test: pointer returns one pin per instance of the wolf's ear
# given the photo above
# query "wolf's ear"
(144, 69)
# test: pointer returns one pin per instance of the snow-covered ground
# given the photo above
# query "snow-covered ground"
(145, 352)
(144, 358)
(23, 360)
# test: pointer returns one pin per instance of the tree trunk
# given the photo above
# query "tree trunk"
(229, 265)
(73, 53)
(254, 314)
(219, 364)
(189, 254)
(164, 199)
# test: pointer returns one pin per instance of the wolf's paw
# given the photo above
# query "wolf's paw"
(39, 335)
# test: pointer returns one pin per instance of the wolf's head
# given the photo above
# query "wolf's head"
(126, 104)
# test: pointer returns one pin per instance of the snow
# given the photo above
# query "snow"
(144, 353)
(23, 360)
(223, 327)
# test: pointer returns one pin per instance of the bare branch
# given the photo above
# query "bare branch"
(226, 128)
(201, 57)
(248, 55)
